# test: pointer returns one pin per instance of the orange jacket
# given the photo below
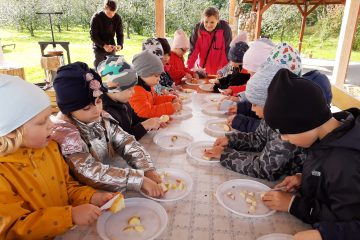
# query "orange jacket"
(147, 104)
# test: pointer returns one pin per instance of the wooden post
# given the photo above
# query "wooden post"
(259, 19)
(303, 23)
(160, 18)
(347, 33)
(232, 18)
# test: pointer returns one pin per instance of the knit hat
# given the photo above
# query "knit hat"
(257, 54)
(286, 55)
(76, 86)
(236, 52)
(323, 81)
(180, 40)
(117, 70)
(257, 86)
(147, 64)
(165, 45)
(295, 105)
(20, 101)
(241, 37)
(153, 46)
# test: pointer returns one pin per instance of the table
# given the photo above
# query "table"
(199, 215)
(14, 71)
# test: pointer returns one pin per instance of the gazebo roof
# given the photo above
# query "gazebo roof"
(300, 2)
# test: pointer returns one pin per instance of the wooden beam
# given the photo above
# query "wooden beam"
(160, 18)
(314, 7)
(299, 7)
(347, 33)
(253, 8)
(302, 30)
(232, 18)
(342, 99)
(267, 6)
(258, 19)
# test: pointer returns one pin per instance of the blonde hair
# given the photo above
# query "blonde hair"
(11, 142)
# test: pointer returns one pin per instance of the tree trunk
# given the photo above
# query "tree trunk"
(128, 30)
(58, 27)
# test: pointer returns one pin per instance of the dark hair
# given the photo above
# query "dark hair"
(211, 11)
(165, 45)
(110, 4)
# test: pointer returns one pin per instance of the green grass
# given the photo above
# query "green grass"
(27, 51)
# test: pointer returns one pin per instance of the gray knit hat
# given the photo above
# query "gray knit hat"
(257, 87)
(147, 64)
(117, 70)
(154, 46)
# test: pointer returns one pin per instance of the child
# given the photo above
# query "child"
(38, 197)
(239, 77)
(177, 69)
(161, 48)
(145, 102)
(329, 186)
(210, 42)
(121, 79)
(93, 144)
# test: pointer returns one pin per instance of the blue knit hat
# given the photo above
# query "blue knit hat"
(76, 86)
(236, 52)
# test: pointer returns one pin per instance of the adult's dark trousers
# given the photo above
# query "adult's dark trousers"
(100, 55)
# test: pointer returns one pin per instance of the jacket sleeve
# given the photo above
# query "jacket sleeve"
(176, 71)
(19, 222)
(338, 230)
(254, 141)
(224, 80)
(237, 89)
(194, 47)
(90, 171)
(120, 33)
(227, 37)
(245, 124)
(95, 31)
(275, 160)
(137, 129)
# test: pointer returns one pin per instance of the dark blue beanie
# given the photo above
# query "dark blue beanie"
(76, 86)
(236, 52)
(323, 81)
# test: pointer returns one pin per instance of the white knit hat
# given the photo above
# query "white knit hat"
(257, 54)
(20, 101)
(241, 37)
(180, 40)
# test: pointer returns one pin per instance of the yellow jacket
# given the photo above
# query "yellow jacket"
(37, 194)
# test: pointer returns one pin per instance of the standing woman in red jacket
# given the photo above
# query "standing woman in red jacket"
(210, 42)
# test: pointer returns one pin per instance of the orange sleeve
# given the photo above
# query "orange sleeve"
(237, 89)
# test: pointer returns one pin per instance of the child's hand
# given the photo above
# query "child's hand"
(152, 188)
(232, 109)
(291, 183)
(117, 48)
(177, 100)
(151, 123)
(308, 235)
(108, 48)
(230, 120)
(153, 175)
(221, 142)
(215, 152)
(277, 200)
(232, 98)
(227, 92)
(100, 198)
(188, 76)
(196, 76)
(85, 214)
(177, 106)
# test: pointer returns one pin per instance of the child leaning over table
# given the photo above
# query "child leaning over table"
(38, 197)
(329, 186)
(145, 102)
(97, 150)
(121, 79)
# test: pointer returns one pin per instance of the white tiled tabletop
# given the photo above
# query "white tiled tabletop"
(199, 215)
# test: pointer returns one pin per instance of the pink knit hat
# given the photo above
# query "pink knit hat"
(180, 40)
(257, 54)
(241, 37)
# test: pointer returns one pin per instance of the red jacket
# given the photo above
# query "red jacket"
(177, 69)
(147, 104)
(200, 42)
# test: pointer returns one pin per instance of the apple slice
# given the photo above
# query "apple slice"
(226, 128)
(163, 187)
(139, 228)
(134, 220)
(164, 118)
(128, 228)
(118, 204)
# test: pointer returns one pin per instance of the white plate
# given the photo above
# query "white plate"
(152, 215)
(196, 151)
(214, 98)
(197, 83)
(164, 140)
(184, 113)
(209, 87)
(188, 91)
(212, 109)
(239, 206)
(185, 98)
(215, 127)
(174, 194)
(276, 236)
(213, 80)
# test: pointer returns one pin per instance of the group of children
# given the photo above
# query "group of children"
(290, 131)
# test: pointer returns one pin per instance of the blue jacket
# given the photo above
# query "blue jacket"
(245, 120)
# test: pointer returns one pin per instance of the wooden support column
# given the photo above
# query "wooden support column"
(259, 18)
(347, 33)
(303, 23)
(232, 18)
(160, 18)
